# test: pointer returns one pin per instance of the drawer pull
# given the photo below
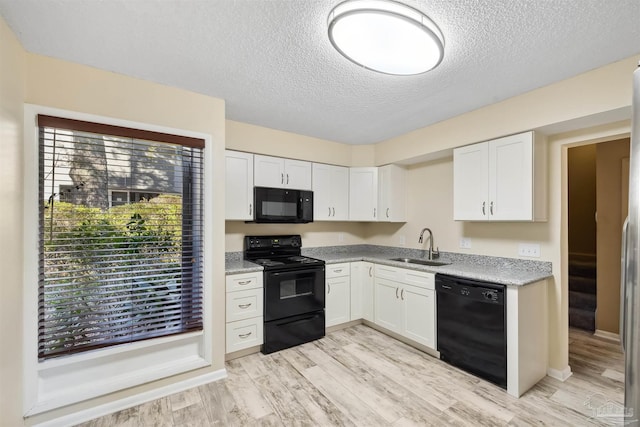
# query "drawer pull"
(243, 306)
(243, 336)
(337, 271)
(244, 282)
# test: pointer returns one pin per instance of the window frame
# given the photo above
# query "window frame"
(58, 382)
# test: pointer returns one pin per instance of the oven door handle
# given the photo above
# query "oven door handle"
(297, 271)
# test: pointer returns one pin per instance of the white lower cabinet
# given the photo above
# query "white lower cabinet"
(388, 311)
(405, 303)
(337, 294)
(419, 314)
(362, 290)
(244, 311)
(244, 334)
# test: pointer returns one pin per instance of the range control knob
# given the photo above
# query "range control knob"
(295, 242)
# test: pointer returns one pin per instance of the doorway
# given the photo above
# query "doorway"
(598, 198)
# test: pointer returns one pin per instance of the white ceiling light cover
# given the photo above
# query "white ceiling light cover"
(386, 36)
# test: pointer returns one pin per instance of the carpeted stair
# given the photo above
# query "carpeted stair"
(582, 291)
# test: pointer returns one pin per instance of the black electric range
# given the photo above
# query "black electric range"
(294, 291)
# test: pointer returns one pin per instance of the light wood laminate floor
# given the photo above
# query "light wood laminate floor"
(361, 377)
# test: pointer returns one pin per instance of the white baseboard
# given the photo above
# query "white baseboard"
(607, 335)
(560, 375)
(128, 402)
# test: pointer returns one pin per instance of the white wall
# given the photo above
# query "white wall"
(12, 72)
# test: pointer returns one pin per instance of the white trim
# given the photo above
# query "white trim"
(56, 383)
(609, 336)
(560, 375)
(137, 399)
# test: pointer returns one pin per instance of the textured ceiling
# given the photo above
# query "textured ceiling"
(273, 64)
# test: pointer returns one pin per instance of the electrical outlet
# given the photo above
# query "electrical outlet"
(340, 237)
(403, 240)
(531, 250)
(465, 243)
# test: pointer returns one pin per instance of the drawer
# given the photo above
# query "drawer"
(419, 278)
(337, 270)
(244, 334)
(237, 282)
(244, 304)
(422, 279)
(389, 273)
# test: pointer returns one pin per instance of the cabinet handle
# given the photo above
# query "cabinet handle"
(483, 205)
(396, 293)
(370, 268)
(387, 212)
(287, 178)
(329, 211)
(374, 212)
(328, 288)
(402, 294)
(243, 306)
(338, 271)
(244, 282)
(491, 208)
(281, 178)
(334, 211)
(243, 336)
(250, 209)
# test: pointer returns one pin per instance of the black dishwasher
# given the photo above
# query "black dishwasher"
(472, 333)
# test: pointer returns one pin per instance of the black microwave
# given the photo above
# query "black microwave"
(281, 205)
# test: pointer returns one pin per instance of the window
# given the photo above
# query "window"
(112, 273)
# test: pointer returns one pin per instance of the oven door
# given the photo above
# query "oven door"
(293, 292)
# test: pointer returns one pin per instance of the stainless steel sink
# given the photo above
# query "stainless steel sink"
(432, 262)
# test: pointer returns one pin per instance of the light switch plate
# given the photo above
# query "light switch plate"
(531, 250)
(465, 243)
(403, 240)
(340, 237)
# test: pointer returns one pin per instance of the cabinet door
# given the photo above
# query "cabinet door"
(387, 305)
(268, 171)
(511, 178)
(418, 322)
(322, 189)
(363, 194)
(337, 304)
(362, 291)
(471, 182)
(339, 193)
(297, 174)
(392, 183)
(238, 186)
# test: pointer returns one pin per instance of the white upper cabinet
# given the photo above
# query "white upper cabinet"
(330, 192)
(363, 194)
(501, 180)
(238, 186)
(392, 200)
(378, 194)
(281, 173)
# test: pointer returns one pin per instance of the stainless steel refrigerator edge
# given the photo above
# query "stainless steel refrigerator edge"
(630, 294)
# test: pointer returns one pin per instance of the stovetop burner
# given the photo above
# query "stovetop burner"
(277, 252)
(267, 262)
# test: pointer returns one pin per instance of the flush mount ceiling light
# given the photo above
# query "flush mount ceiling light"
(386, 36)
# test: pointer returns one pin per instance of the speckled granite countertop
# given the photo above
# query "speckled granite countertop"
(507, 271)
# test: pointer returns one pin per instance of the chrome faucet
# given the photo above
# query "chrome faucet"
(432, 254)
